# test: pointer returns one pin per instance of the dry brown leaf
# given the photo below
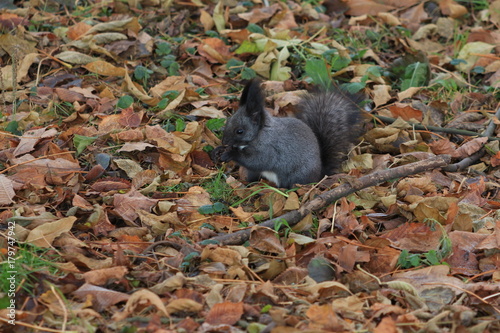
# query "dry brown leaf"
(383, 260)
(80, 259)
(104, 68)
(414, 16)
(463, 259)
(131, 167)
(44, 235)
(414, 237)
(183, 305)
(129, 118)
(423, 183)
(101, 277)
(59, 166)
(215, 50)
(452, 8)
(137, 91)
(135, 146)
(78, 30)
(226, 313)
(386, 325)
(206, 20)
(69, 96)
(128, 135)
(24, 66)
(31, 138)
(265, 240)
(292, 202)
(443, 146)
(284, 19)
(430, 277)
(159, 224)
(242, 215)
(140, 300)
(405, 111)
(171, 284)
(323, 317)
(16, 45)
(260, 14)
(470, 148)
(226, 256)
(127, 205)
(408, 93)
(381, 94)
(99, 221)
(424, 212)
(195, 198)
(6, 191)
(107, 185)
(291, 276)
(366, 7)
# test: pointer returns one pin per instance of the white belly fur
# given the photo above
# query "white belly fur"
(271, 176)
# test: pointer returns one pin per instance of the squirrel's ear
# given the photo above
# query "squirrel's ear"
(252, 97)
(252, 100)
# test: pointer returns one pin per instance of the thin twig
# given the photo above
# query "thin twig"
(439, 129)
(468, 161)
(63, 307)
(35, 327)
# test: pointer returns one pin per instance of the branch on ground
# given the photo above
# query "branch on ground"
(327, 198)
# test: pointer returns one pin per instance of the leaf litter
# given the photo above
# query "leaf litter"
(109, 114)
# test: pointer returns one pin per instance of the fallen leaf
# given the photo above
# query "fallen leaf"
(6, 191)
(226, 313)
(44, 235)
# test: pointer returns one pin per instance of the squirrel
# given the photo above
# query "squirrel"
(288, 150)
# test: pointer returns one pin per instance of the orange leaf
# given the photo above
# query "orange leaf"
(226, 313)
(405, 111)
(452, 9)
(78, 30)
(366, 7)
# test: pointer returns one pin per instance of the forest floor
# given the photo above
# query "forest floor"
(115, 219)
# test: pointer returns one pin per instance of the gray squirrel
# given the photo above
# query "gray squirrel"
(288, 150)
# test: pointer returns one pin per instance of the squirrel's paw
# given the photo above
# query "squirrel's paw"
(221, 154)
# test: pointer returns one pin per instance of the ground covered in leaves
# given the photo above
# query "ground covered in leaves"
(110, 202)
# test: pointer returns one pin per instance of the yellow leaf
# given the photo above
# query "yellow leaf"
(143, 298)
(104, 68)
(207, 20)
(219, 20)
(381, 94)
(470, 53)
(183, 305)
(279, 71)
(138, 92)
(452, 9)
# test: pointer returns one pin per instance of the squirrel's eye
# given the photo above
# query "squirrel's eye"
(239, 131)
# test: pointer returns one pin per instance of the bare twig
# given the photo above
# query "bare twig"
(323, 200)
(442, 129)
(466, 162)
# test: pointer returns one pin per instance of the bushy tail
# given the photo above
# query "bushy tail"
(336, 119)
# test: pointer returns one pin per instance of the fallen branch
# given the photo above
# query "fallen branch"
(441, 129)
(467, 162)
(323, 200)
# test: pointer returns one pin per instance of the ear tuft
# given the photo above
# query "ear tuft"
(252, 102)
(252, 98)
